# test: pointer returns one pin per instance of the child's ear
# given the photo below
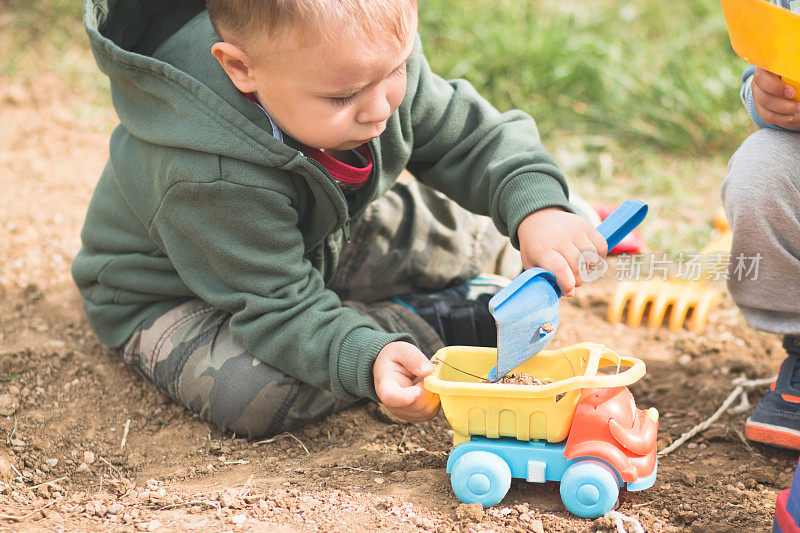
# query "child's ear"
(236, 63)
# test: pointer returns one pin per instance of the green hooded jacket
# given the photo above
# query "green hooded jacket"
(199, 200)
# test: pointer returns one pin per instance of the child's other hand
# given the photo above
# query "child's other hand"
(553, 239)
(398, 373)
(772, 98)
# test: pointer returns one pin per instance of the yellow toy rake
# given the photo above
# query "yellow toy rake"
(684, 300)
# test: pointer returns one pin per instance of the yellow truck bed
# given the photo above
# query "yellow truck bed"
(525, 412)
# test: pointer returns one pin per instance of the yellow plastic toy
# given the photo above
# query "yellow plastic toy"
(767, 36)
(685, 301)
(582, 430)
(526, 412)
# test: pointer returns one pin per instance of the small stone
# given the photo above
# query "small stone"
(8, 405)
(378, 480)
(6, 466)
(227, 499)
(764, 474)
(470, 511)
(536, 526)
(603, 524)
(143, 496)
(115, 508)
(52, 462)
(238, 519)
(88, 457)
(688, 478)
(83, 467)
(153, 525)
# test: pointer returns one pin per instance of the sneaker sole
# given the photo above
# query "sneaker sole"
(779, 436)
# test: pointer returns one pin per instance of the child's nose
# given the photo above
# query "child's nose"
(375, 108)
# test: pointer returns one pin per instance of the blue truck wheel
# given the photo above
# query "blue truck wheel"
(480, 477)
(589, 489)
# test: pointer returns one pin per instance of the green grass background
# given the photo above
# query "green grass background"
(636, 99)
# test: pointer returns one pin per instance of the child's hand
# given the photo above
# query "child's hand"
(398, 373)
(553, 239)
(772, 98)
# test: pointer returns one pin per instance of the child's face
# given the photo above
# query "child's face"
(332, 95)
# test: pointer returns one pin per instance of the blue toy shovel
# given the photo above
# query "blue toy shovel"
(526, 310)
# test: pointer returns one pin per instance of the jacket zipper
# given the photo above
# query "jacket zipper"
(371, 180)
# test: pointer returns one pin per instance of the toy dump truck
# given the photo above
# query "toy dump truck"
(581, 427)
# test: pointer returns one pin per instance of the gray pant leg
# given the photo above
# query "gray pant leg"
(761, 196)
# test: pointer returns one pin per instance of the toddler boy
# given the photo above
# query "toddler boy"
(249, 247)
(761, 195)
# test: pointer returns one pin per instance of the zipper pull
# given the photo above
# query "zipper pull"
(346, 231)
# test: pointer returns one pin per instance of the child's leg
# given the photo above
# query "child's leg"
(761, 196)
(190, 354)
(413, 242)
(416, 239)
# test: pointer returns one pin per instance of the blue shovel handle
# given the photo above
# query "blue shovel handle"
(622, 221)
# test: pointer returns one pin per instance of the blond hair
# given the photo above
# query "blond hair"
(373, 19)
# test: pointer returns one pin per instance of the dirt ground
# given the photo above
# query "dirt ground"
(86, 444)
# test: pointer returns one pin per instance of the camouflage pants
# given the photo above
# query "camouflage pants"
(411, 239)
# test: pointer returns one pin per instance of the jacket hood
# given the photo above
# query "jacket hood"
(166, 86)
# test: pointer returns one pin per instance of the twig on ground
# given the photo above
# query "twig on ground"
(48, 482)
(114, 468)
(741, 385)
(744, 441)
(24, 517)
(246, 486)
(358, 469)
(402, 438)
(209, 503)
(125, 434)
(282, 435)
(744, 405)
(13, 430)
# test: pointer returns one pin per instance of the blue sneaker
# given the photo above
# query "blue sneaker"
(459, 315)
(776, 418)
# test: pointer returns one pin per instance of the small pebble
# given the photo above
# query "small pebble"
(470, 511)
(536, 526)
(8, 405)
